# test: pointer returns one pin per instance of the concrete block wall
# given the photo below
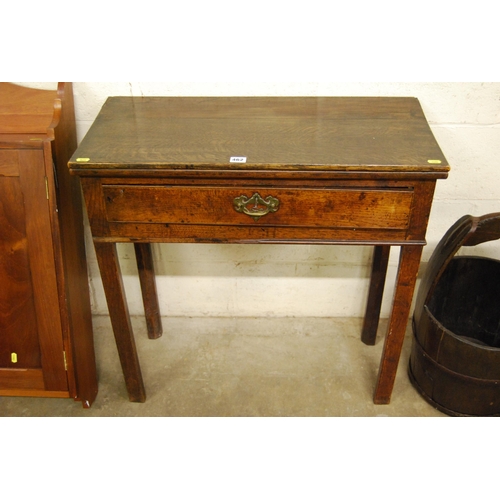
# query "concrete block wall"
(272, 280)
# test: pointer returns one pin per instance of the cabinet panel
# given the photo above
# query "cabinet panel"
(19, 346)
(9, 164)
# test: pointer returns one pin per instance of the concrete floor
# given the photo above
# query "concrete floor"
(242, 367)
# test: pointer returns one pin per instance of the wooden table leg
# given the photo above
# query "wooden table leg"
(148, 287)
(375, 294)
(118, 311)
(409, 262)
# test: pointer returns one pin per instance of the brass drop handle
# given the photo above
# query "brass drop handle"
(256, 206)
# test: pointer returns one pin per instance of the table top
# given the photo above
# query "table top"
(261, 133)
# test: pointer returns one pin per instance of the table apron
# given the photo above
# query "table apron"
(356, 213)
(182, 233)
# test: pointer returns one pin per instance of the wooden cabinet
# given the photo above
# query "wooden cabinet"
(46, 341)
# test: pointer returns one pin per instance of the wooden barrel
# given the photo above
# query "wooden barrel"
(455, 356)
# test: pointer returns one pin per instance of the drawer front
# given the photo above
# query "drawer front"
(335, 208)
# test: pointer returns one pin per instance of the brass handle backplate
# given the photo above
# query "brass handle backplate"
(256, 206)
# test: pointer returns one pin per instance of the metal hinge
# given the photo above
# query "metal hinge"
(65, 362)
(47, 187)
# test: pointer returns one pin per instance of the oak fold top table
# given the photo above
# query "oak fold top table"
(308, 170)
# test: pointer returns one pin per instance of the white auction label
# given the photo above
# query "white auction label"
(238, 159)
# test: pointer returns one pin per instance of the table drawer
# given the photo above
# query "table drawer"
(347, 208)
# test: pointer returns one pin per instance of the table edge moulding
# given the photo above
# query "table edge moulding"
(287, 170)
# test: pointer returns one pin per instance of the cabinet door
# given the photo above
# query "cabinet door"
(31, 342)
